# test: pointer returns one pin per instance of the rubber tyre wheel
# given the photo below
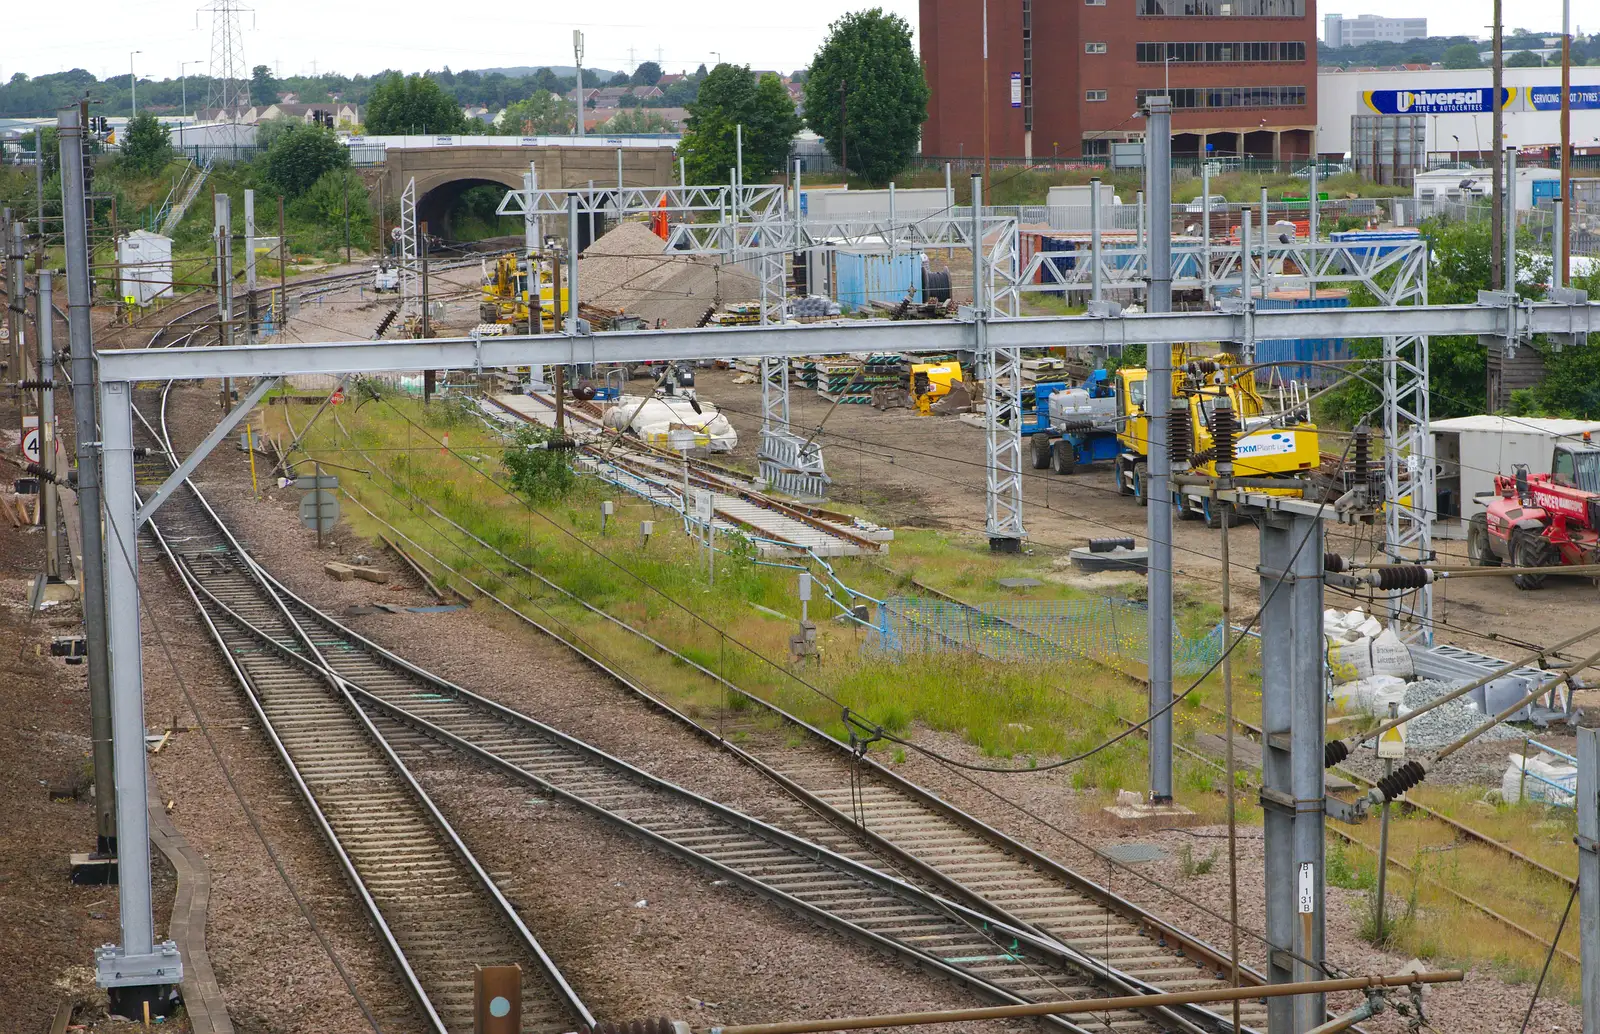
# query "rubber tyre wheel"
(1216, 511)
(1124, 476)
(1063, 458)
(1479, 548)
(1141, 484)
(1040, 446)
(1182, 509)
(1529, 550)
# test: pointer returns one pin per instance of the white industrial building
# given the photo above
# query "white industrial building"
(1340, 31)
(1455, 106)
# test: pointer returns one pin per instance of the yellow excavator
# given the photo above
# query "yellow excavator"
(931, 382)
(1268, 443)
(505, 292)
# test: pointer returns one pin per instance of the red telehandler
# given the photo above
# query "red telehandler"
(1542, 520)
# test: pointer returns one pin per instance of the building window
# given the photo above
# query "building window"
(1220, 53)
(1094, 3)
(1095, 95)
(1213, 97)
(1094, 48)
(1096, 147)
(1221, 8)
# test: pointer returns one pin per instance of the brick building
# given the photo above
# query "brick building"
(1067, 76)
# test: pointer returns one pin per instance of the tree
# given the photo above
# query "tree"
(620, 79)
(867, 59)
(263, 87)
(701, 73)
(1462, 55)
(1524, 59)
(301, 156)
(544, 112)
(538, 470)
(647, 74)
(412, 104)
(145, 147)
(730, 97)
(639, 120)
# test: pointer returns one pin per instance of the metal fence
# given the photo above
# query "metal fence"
(1099, 628)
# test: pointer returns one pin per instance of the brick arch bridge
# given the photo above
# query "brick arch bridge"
(444, 173)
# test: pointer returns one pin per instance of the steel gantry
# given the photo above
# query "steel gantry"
(410, 265)
(139, 960)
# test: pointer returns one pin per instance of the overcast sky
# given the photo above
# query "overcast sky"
(294, 36)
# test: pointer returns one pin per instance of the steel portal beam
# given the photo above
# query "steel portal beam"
(229, 422)
(734, 342)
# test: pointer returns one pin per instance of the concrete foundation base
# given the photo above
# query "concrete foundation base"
(1119, 559)
(90, 870)
(1146, 815)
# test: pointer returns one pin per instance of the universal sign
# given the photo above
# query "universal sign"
(1548, 98)
(1435, 102)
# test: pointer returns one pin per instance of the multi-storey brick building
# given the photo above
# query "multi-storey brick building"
(1066, 77)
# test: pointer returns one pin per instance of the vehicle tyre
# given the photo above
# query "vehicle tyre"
(1141, 483)
(1530, 550)
(1215, 512)
(1479, 548)
(1040, 446)
(1124, 477)
(1183, 507)
(1063, 457)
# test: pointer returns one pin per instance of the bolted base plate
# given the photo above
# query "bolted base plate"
(116, 969)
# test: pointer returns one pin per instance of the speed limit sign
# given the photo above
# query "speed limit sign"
(30, 439)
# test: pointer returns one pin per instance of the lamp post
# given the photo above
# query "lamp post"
(1457, 139)
(183, 74)
(133, 85)
(577, 60)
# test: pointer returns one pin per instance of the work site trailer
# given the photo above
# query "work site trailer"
(1471, 450)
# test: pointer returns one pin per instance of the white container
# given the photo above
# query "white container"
(145, 261)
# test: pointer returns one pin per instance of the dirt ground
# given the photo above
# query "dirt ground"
(916, 471)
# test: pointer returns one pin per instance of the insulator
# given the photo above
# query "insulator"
(1203, 457)
(1108, 544)
(1408, 577)
(1200, 367)
(1363, 455)
(31, 385)
(1401, 779)
(1333, 752)
(1224, 432)
(1334, 562)
(1180, 433)
(39, 471)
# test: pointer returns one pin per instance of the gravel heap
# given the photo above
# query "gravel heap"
(1447, 721)
(630, 269)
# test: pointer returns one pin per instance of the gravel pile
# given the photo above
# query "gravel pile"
(1447, 721)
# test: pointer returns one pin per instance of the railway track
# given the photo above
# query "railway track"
(433, 905)
(1455, 828)
(850, 804)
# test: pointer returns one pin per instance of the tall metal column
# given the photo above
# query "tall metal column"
(1588, 806)
(1002, 407)
(137, 967)
(44, 318)
(250, 266)
(1158, 529)
(91, 577)
(17, 298)
(1509, 216)
(222, 229)
(1094, 239)
(1292, 760)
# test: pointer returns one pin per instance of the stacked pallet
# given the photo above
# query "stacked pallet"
(851, 382)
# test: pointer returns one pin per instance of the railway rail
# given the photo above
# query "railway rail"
(1455, 826)
(433, 905)
(853, 804)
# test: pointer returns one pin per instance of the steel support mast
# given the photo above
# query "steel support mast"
(91, 576)
(1002, 404)
(1158, 491)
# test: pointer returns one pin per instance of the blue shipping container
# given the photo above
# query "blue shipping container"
(1298, 353)
(867, 278)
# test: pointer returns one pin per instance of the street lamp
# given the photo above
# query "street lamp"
(133, 85)
(1457, 139)
(183, 74)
